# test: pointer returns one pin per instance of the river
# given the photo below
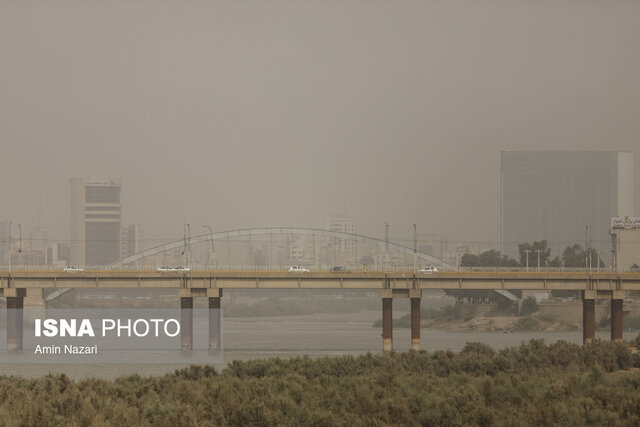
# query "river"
(308, 335)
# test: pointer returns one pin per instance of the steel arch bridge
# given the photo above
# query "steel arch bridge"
(266, 231)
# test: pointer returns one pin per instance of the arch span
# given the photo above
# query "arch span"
(224, 235)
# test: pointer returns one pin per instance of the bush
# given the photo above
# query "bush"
(535, 383)
(529, 306)
(526, 323)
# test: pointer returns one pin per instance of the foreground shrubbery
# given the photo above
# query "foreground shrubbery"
(532, 384)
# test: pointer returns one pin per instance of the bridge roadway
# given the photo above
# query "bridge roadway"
(210, 284)
(492, 280)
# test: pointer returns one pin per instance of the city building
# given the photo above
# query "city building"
(59, 254)
(39, 241)
(95, 221)
(130, 240)
(564, 197)
(625, 241)
(346, 247)
(432, 244)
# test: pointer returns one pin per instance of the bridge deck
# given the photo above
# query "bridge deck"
(604, 281)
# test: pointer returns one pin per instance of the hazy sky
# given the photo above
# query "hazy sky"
(270, 112)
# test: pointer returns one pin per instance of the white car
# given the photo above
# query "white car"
(169, 268)
(73, 269)
(298, 269)
(430, 269)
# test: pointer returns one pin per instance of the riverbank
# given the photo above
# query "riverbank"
(550, 317)
(532, 384)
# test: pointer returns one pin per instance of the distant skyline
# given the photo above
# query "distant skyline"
(283, 113)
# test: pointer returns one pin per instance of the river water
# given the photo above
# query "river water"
(309, 335)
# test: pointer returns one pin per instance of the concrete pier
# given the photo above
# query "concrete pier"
(415, 324)
(616, 320)
(214, 324)
(588, 320)
(387, 324)
(14, 323)
(186, 323)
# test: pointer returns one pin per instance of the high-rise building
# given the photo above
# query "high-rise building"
(130, 240)
(95, 221)
(564, 197)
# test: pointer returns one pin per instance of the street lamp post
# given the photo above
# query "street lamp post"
(415, 246)
(538, 251)
(20, 247)
(212, 248)
(10, 222)
(187, 243)
(526, 251)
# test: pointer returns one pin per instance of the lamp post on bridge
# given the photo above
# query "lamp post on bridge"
(10, 222)
(213, 252)
(538, 251)
(526, 251)
(415, 246)
(187, 243)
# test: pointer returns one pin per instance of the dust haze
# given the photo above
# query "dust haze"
(280, 113)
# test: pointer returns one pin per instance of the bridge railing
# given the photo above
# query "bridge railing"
(319, 268)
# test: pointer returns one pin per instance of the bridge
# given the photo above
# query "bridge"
(401, 284)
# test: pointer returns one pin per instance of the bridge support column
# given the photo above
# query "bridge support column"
(415, 296)
(588, 319)
(616, 320)
(15, 304)
(415, 324)
(215, 323)
(387, 324)
(186, 323)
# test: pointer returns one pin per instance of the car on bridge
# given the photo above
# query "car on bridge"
(338, 269)
(72, 269)
(164, 268)
(298, 269)
(428, 270)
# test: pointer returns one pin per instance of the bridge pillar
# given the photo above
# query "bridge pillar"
(588, 319)
(186, 323)
(387, 324)
(415, 324)
(15, 305)
(215, 336)
(616, 320)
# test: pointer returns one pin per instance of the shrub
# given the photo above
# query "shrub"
(529, 306)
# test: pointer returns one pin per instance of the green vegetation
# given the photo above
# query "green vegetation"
(529, 306)
(527, 323)
(464, 312)
(534, 250)
(491, 258)
(533, 384)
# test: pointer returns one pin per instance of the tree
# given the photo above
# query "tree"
(532, 248)
(491, 258)
(573, 256)
(576, 257)
(556, 262)
(529, 306)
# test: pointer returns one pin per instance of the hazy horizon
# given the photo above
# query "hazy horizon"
(282, 113)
